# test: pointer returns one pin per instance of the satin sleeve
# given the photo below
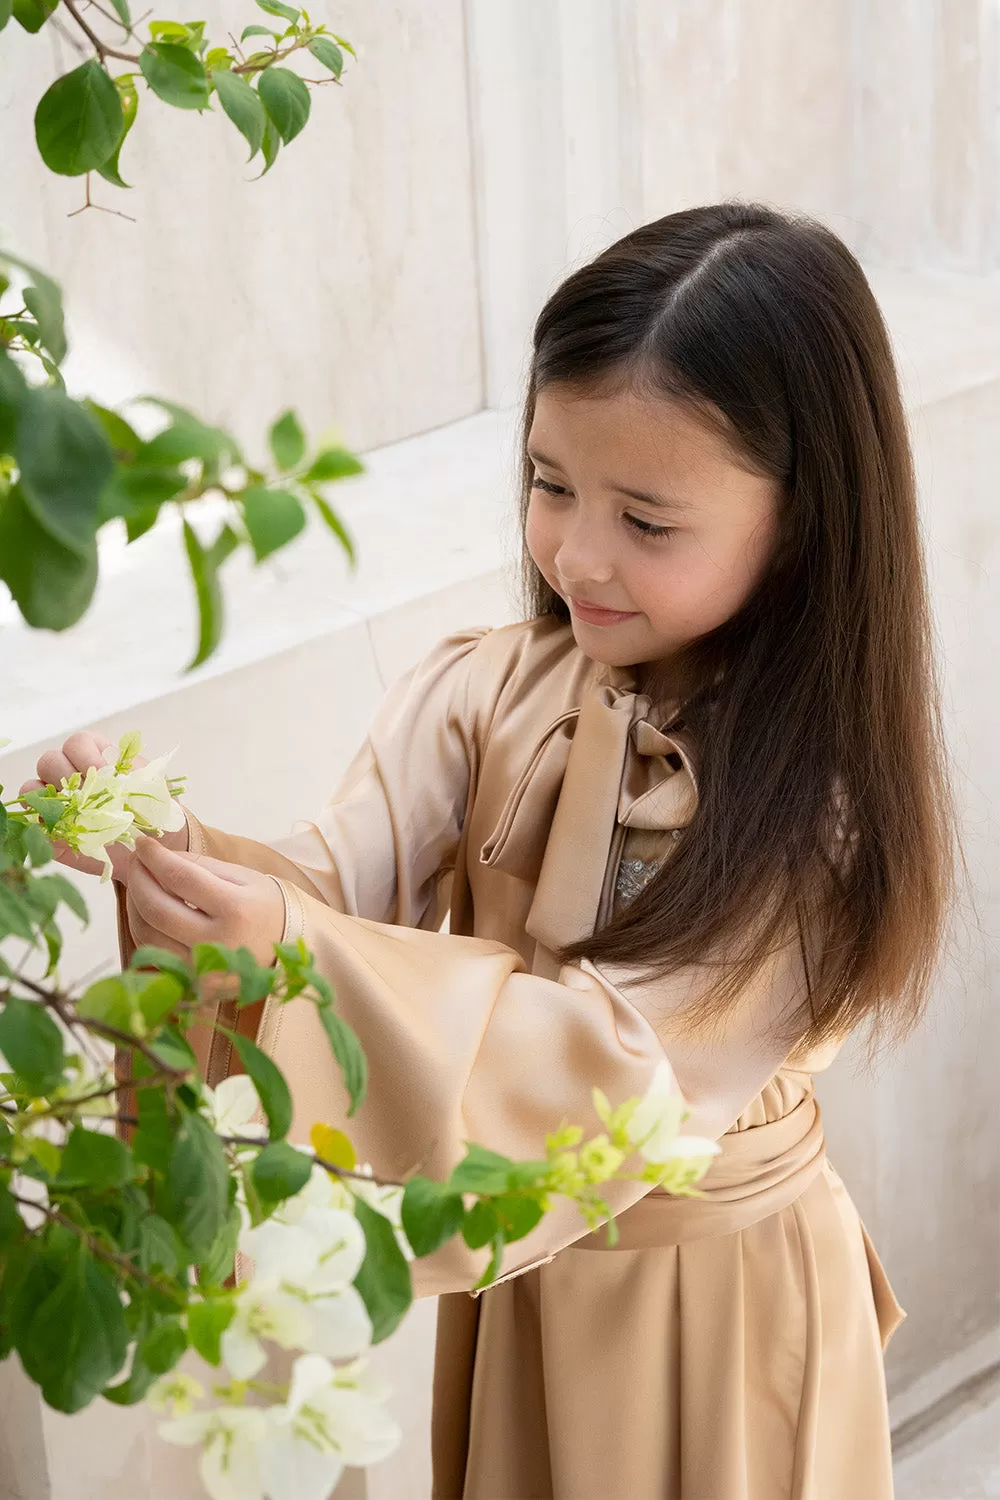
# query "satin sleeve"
(462, 1045)
(381, 845)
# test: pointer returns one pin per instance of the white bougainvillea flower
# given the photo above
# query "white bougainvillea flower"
(324, 1247)
(229, 1465)
(95, 825)
(263, 1312)
(147, 796)
(301, 1294)
(333, 1417)
(654, 1125)
(174, 1394)
(232, 1105)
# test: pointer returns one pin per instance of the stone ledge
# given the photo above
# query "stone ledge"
(427, 517)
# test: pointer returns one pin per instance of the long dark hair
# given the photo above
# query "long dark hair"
(824, 807)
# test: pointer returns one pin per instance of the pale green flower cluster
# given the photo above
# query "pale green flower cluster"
(115, 801)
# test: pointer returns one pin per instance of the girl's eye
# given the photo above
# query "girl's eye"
(646, 528)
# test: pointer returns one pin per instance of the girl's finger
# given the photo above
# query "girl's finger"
(145, 933)
(53, 767)
(84, 749)
(185, 876)
(164, 911)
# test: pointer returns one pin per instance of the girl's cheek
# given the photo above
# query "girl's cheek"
(541, 544)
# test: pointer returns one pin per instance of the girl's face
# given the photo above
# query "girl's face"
(643, 521)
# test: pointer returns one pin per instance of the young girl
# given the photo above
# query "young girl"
(693, 807)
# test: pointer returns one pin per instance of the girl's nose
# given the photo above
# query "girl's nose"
(583, 559)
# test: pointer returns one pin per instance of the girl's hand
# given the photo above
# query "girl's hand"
(177, 899)
(81, 751)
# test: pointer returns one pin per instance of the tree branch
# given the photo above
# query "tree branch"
(59, 1004)
(103, 50)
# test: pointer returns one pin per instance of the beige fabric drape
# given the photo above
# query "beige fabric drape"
(729, 1347)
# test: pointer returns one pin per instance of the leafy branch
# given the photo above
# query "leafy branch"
(84, 118)
(68, 468)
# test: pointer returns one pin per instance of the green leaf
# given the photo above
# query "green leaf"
(159, 994)
(210, 958)
(273, 518)
(134, 492)
(64, 890)
(280, 1172)
(12, 387)
(481, 1224)
(38, 848)
(65, 462)
(286, 99)
(175, 74)
(129, 96)
(159, 1247)
(156, 1353)
(45, 306)
(275, 8)
(186, 438)
(122, 11)
(162, 958)
(208, 595)
(16, 917)
(207, 1322)
(489, 1274)
(288, 443)
(33, 14)
(11, 1223)
(52, 585)
(337, 526)
(384, 1278)
(217, 1264)
(350, 1054)
(431, 1214)
(110, 1001)
(154, 1139)
(79, 120)
(332, 463)
(172, 1051)
(328, 53)
(94, 1160)
(124, 439)
(480, 1171)
(259, 31)
(46, 802)
(196, 1200)
(164, 1345)
(6, 11)
(269, 1082)
(32, 1043)
(69, 1329)
(240, 102)
(270, 146)
(518, 1216)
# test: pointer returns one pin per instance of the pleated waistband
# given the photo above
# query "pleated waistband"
(759, 1171)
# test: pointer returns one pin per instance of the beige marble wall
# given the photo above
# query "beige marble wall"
(926, 148)
(344, 283)
(745, 100)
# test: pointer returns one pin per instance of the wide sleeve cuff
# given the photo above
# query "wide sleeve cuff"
(462, 1045)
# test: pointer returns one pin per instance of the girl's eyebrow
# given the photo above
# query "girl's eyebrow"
(621, 489)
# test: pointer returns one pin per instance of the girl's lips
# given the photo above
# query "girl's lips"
(594, 616)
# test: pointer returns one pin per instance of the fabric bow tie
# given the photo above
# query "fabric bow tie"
(595, 769)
